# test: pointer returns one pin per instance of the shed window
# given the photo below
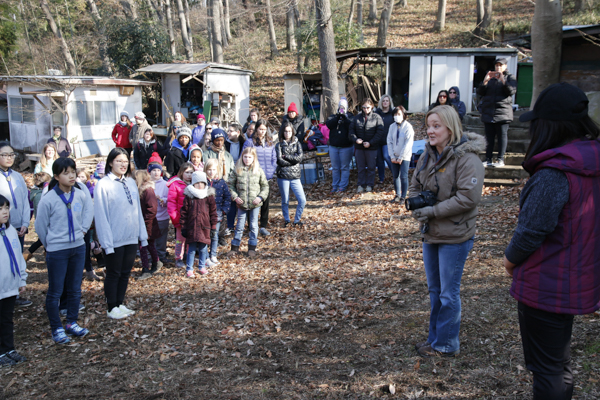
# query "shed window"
(22, 110)
(95, 113)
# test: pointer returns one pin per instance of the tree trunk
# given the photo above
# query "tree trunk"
(158, 9)
(440, 22)
(227, 19)
(186, 5)
(106, 66)
(223, 32)
(290, 18)
(372, 11)
(384, 22)
(487, 14)
(328, 60)
(359, 19)
(546, 41)
(209, 30)
(217, 34)
(403, 4)
(129, 8)
(170, 28)
(63, 44)
(351, 14)
(272, 38)
(184, 32)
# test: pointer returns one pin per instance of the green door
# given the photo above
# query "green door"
(524, 84)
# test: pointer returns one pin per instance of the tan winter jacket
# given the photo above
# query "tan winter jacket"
(457, 179)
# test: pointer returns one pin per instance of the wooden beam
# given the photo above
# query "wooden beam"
(58, 105)
(39, 101)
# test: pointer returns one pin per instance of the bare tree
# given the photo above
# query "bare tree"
(186, 5)
(327, 55)
(484, 16)
(272, 38)
(372, 11)
(101, 27)
(384, 22)
(184, 32)
(440, 22)
(351, 14)
(227, 19)
(546, 42)
(157, 6)
(223, 32)
(130, 8)
(359, 19)
(290, 19)
(63, 44)
(170, 28)
(216, 33)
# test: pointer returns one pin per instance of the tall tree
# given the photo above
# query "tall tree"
(223, 31)
(484, 16)
(384, 22)
(546, 42)
(359, 19)
(351, 14)
(327, 55)
(216, 32)
(372, 11)
(101, 27)
(186, 6)
(130, 8)
(440, 22)
(290, 19)
(272, 38)
(184, 32)
(227, 19)
(170, 28)
(63, 44)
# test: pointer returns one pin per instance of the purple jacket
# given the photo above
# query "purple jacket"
(266, 156)
(563, 275)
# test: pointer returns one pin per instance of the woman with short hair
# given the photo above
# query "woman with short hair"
(399, 146)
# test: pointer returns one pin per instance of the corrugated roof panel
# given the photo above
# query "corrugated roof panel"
(188, 68)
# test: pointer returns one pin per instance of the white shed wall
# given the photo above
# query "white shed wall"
(238, 84)
(171, 92)
(29, 135)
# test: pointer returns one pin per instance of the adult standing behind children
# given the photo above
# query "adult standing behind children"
(496, 93)
(144, 149)
(199, 130)
(454, 93)
(297, 121)
(341, 149)
(267, 160)
(400, 140)
(366, 131)
(120, 227)
(64, 216)
(289, 157)
(385, 109)
(121, 131)
(553, 256)
(62, 145)
(179, 152)
(218, 151)
(137, 130)
(49, 154)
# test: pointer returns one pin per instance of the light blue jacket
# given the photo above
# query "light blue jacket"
(9, 284)
(21, 214)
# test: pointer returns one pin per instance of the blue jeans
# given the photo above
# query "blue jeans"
(444, 265)
(340, 157)
(231, 216)
(65, 270)
(284, 189)
(252, 215)
(191, 255)
(400, 172)
(214, 240)
(383, 157)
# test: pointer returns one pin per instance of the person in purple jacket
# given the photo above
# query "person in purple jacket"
(554, 257)
(267, 159)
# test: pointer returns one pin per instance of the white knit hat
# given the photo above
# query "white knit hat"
(140, 114)
(199, 176)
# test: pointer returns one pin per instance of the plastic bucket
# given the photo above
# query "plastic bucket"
(308, 173)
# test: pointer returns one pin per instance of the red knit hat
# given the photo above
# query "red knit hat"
(293, 108)
(201, 116)
(155, 158)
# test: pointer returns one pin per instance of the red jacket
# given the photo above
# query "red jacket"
(198, 215)
(120, 135)
(175, 200)
(149, 205)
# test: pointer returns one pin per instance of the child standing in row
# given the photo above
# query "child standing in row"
(40, 180)
(249, 187)
(176, 187)
(223, 202)
(13, 278)
(198, 221)
(149, 206)
(196, 158)
(64, 216)
(161, 191)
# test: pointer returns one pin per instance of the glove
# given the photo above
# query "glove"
(184, 232)
(213, 232)
(423, 214)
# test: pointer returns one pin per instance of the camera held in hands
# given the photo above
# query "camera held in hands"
(424, 199)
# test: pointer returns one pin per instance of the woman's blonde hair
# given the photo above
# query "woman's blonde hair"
(43, 159)
(381, 101)
(450, 119)
(254, 167)
(142, 177)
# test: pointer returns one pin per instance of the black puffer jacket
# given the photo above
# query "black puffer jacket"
(387, 117)
(299, 127)
(289, 157)
(496, 102)
(369, 130)
(339, 127)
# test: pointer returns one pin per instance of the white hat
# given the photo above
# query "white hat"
(140, 114)
(199, 176)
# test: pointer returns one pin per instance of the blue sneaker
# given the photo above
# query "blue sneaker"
(76, 330)
(60, 337)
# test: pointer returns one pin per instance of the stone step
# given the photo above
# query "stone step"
(506, 172)
(515, 159)
(474, 118)
(501, 182)
(513, 133)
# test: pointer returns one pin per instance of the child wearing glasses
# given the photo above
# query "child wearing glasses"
(13, 187)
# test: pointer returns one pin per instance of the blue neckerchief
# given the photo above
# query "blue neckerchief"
(61, 194)
(9, 180)
(124, 182)
(11, 254)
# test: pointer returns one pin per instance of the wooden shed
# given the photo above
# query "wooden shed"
(306, 90)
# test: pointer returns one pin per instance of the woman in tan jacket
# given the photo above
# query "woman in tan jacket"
(451, 171)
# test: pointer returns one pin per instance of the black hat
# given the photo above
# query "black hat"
(501, 60)
(559, 102)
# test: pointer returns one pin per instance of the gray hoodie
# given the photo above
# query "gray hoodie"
(21, 214)
(9, 284)
(52, 223)
(118, 223)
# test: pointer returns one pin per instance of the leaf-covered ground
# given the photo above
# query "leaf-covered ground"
(331, 310)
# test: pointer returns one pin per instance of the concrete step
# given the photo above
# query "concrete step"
(474, 119)
(501, 182)
(506, 172)
(515, 159)
(513, 133)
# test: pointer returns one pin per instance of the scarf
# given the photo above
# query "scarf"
(68, 203)
(14, 267)
(221, 168)
(198, 193)
(124, 182)
(9, 180)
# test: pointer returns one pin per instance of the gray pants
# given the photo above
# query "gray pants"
(366, 161)
(161, 242)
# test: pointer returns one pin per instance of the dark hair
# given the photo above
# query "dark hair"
(183, 168)
(235, 126)
(253, 110)
(40, 178)
(268, 139)
(282, 131)
(437, 99)
(5, 143)
(57, 127)
(4, 202)
(117, 151)
(401, 108)
(367, 101)
(546, 134)
(58, 167)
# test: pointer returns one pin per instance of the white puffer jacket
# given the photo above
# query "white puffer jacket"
(400, 141)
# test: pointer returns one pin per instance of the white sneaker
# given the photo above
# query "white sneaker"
(214, 260)
(126, 310)
(209, 263)
(116, 313)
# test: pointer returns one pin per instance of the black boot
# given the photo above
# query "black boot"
(235, 250)
(251, 251)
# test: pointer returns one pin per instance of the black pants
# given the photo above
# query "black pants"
(491, 132)
(7, 309)
(264, 213)
(547, 346)
(118, 269)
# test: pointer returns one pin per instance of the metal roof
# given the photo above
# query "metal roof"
(465, 51)
(76, 80)
(190, 68)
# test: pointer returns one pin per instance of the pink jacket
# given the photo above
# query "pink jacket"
(175, 201)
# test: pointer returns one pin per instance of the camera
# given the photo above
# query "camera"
(424, 199)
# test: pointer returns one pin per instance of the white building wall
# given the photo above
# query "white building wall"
(171, 92)
(238, 84)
